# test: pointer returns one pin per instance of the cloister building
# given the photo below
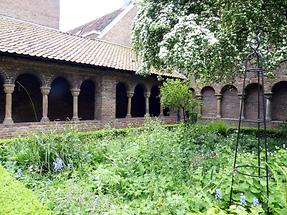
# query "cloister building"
(49, 78)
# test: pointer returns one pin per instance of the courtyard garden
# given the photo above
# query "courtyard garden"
(156, 169)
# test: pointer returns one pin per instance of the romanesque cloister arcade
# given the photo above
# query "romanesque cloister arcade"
(28, 97)
(223, 102)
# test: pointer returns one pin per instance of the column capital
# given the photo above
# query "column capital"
(45, 90)
(268, 95)
(9, 88)
(130, 94)
(199, 97)
(218, 96)
(147, 94)
(241, 95)
(75, 92)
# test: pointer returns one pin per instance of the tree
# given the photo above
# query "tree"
(208, 39)
(177, 95)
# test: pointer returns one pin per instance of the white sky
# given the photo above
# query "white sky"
(77, 12)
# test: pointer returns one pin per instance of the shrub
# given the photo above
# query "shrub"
(16, 199)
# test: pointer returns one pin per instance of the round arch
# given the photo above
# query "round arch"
(121, 100)
(154, 101)
(2, 100)
(230, 104)
(138, 101)
(279, 101)
(27, 99)
(251, 101)
(208, 102)
(87, 100)
(60, 100)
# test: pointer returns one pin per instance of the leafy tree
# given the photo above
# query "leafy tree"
(208, 39)
(176, 94)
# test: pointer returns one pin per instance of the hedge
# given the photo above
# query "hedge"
(16, 199)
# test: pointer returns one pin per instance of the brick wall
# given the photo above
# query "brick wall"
(251, 102)
(43, 12)
(279, 102)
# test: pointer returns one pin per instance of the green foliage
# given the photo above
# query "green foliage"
(150, 170)
(16, 199)
(176, 94)
(208, 39)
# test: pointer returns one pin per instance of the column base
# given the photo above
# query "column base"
(218, 117)
(8, 121)
(147, 115)
(129, 116)
(45, 119)
(75, 118)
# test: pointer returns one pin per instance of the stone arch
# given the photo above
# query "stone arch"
(230, 105)
(279, 101)
(208, 102)
(251, 101)
(2, 100)
(27, 99)
(154, 101)
(138, 101)
(121, 100)
(87, 100)
(60, 100)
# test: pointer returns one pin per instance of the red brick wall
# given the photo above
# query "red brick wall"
(43, 12)
(230, 103)
(209, 102)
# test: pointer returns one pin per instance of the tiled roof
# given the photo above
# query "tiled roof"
(23, 38)
(97, 24)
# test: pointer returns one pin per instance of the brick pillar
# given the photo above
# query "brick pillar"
(45, 92)
(129, 111)
(199, 97)
(268, 97)
(218, 105)
(9, 89)
(147, 95)
(241, 103)
(75, 94)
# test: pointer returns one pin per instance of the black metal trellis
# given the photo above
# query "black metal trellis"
(261, 169)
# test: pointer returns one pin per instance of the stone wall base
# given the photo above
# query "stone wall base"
(24, 129)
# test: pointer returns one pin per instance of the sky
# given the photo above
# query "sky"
(74, 13)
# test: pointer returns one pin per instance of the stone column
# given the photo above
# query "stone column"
(75, 94)
(129, 111)
(218, 105)
(199, 98)
(160, 107)
(45, 92)
(241, 103)
(9, 89)
(147, 95)
(268, 97)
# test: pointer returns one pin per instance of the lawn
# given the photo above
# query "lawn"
(153, 170)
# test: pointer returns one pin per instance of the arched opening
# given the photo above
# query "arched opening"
(27, 99)
(60, 100)
(230, 104)
(121, 100)
(251, 102)
(279, 101)
(154, 102)
(208, 102)
(87, 101)
(2, 100)
(138, 102)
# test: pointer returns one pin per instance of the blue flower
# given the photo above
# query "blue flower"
(255, 202)
(19, 173)
(167, 149)
(218, 195)
(58, 164)
(242, 199)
